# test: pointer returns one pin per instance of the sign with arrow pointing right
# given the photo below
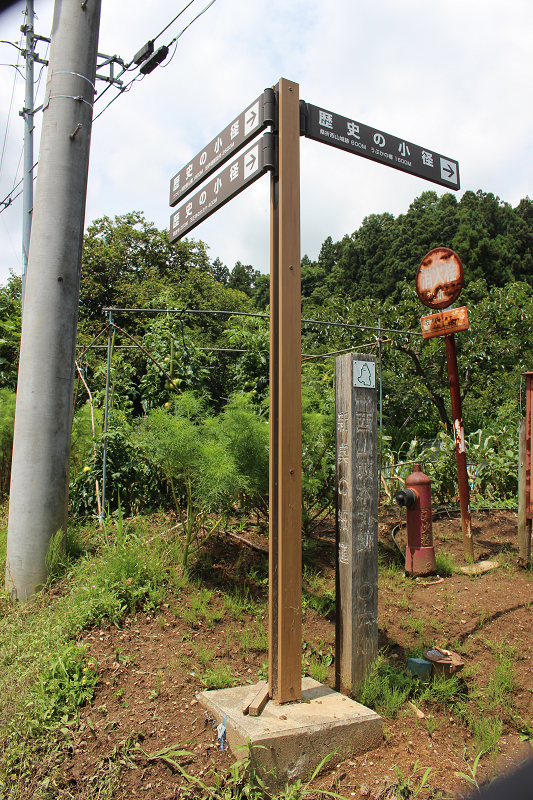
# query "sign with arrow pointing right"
(363, 140)
(224, 146)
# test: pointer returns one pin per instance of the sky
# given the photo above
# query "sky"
(455, 77)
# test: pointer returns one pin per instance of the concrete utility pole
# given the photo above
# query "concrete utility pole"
(27, 114)
(43, 418)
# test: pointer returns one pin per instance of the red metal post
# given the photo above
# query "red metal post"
(460, 450)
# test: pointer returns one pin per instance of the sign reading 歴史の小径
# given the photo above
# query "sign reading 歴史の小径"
(225, 145)
(363, 140)
(247, 167)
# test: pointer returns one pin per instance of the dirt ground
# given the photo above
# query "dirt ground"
(151, 668)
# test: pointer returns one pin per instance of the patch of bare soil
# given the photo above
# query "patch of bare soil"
(153, 667)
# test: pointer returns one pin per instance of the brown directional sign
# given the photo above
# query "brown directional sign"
(439, 278)
(245, 169)
(224, 146)
(445, 322)
(363, 140)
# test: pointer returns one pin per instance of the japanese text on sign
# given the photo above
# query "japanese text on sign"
(354, 137)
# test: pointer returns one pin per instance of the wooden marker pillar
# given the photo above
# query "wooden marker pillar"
(525, 482)
(356, 636)
(285, 567)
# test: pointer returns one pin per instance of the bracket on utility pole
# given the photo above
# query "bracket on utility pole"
(110, 61)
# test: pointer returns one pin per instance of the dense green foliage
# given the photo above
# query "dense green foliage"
(365, 277)
(494, 240)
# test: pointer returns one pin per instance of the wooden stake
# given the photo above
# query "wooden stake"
(285, 589)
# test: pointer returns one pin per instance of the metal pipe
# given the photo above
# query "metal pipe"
(460, 450)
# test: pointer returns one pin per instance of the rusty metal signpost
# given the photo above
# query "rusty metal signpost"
(439, 280)
(278, 152)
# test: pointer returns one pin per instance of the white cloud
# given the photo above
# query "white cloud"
(454, 76)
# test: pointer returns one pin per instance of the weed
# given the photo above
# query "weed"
(159, 683)
(417, 625)
(204, 656)
(384, 687)
(218, 677)
(67, 684)
(445, 564)
(432, 724)
(404, 787)
(161, 621)
(318, 670)
(121, 658)
(487, 732)
(472, 778)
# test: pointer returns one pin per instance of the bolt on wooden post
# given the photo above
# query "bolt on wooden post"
(356, 641)
(285, 545)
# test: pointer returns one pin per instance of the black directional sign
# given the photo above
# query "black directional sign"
(347, 134)
(245, 169)
(246, 126)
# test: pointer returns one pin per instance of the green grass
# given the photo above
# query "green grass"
(44, 675)
(217, 677)
(445, 564)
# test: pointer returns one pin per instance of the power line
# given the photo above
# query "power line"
(10, 107)
(172, 21)
(174, 40)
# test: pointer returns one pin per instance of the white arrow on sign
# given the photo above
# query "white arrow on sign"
(448, 170)
(251, 117)
(251, 160)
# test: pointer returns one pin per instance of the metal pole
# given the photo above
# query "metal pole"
(106, 410)
(38, 505)
(460, 451)
(27, 174)
(285, 502)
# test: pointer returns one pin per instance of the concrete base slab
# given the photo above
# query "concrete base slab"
(290, 740)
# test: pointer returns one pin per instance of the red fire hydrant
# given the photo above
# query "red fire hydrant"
(416, 497)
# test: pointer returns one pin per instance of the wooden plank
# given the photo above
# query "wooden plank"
(356, 636)
(285, 612)
(247, 702)
(259, 702)
(524, 524)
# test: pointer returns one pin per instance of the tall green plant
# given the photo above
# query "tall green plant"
(197, 464)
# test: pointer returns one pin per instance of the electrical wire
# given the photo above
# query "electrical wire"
(123, 89)
(172, 21)
(2, 156)
(191, 22)
(140, 77)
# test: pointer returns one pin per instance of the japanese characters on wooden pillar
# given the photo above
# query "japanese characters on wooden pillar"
(357, 518)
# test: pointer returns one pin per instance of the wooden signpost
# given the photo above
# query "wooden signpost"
(356, 640)
(279, 153)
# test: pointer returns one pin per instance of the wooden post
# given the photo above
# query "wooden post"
(524, 524)
(356, 638)
(285, 567)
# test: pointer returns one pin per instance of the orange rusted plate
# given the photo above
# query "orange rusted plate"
(445, 322)
(439, 278)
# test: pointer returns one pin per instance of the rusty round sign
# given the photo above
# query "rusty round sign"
(439, 278)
